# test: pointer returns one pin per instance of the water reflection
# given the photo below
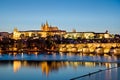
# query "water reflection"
(48, 67)
(111, 72)
(51, 69)
(16, 65)
(61, 66)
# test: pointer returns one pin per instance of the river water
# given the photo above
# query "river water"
(58, 66)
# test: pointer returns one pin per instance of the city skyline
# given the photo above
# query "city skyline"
(82, 15)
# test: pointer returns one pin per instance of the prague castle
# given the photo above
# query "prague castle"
(46, 27)
(46, 30)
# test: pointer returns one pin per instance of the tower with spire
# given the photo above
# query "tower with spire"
(15, 29)
(45, 27)
(16, 33)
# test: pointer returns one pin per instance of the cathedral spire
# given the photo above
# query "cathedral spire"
(15, 29)
(106, 31)
(47, 23)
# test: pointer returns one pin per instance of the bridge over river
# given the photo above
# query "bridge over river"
(99, 48)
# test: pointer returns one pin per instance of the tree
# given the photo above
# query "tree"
(22, 36)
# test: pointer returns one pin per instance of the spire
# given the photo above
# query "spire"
(106, 31)
(47, 23)
(74, 30)
(15, 29)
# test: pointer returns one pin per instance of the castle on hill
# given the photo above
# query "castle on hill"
(48, 30)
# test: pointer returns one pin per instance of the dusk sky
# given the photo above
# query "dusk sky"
(82, 15)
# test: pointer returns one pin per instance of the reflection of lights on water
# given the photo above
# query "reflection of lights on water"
(14, 53)
(56, 65)
(16, 65)
(75, 65)
(21, 55)
(89, 64)
(45, 68)
(67, 63)
(116, 65)
(61, 54)
(10, 54)
(25, 63)
(108, 65)
(36, 53)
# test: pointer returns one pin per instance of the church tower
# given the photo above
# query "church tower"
(16, 33)
(45, 27)
(15, 30)
(106, 32)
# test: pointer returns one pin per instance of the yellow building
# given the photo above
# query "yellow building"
(46, 30)
(75, 35)
(103, 35)
(87, 35)
(47, 27)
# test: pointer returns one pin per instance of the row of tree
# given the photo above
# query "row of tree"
(48, 43)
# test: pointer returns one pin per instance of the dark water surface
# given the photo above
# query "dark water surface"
(57, 67)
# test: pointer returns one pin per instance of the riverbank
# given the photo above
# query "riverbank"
(87, 48)
(59, 57)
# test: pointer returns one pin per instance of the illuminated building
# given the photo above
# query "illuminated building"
(46, 30)
(75, 35)
(102, 35)
(46, 27)
(87, 35)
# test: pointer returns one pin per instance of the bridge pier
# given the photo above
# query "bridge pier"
(99, 48)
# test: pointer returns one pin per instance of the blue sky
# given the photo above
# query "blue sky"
(82, 15)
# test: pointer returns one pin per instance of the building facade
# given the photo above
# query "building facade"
(83, 35)
(46, 30)
(87, 35)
